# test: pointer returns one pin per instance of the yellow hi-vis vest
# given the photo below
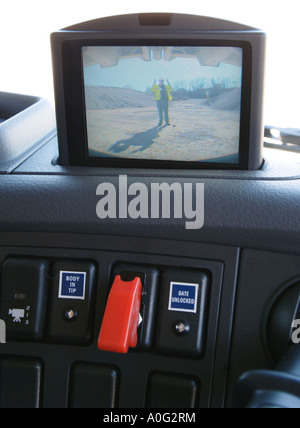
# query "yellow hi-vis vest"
(155, 89)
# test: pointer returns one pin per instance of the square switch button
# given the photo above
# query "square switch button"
(182, 314)
(71, 301)
(170, 391)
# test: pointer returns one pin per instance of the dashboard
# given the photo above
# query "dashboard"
(59, 262)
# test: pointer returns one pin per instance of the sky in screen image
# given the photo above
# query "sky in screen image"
(135, 73)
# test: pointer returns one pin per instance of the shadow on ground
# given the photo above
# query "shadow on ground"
(143, 140)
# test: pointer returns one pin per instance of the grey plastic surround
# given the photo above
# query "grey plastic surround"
(250, 209)
(183, 26)
(27, 122)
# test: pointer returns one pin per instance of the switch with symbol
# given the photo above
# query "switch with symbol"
(24, 289)
(182, 318)
(71, 306)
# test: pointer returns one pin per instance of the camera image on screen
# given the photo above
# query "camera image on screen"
(177, 103)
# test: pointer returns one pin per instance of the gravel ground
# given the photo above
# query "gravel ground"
(196, 132)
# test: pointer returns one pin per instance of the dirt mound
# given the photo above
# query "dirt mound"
(230, 100)
(104, 98)
(99, 98)
(180, 94)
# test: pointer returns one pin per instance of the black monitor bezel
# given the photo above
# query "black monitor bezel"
(75, 113)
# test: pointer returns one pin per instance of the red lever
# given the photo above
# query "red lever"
(120, 323)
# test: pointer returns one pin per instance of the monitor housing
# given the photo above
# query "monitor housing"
(207, 84)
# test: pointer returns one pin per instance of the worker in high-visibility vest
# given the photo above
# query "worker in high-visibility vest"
(162, 96)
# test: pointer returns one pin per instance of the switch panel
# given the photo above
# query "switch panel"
(182, 312)
(71, 314)
(24, 288)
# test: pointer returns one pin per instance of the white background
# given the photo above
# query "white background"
(25, 27)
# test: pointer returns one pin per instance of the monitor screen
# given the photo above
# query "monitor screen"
(164, 103)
